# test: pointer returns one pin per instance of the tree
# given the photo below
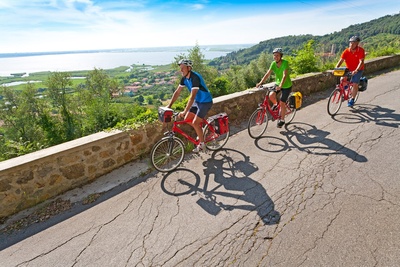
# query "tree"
(96, 102)
(115, 87)
(150, 100)
(194, 54)
(219, 86)
(58, 83)
(305, 60)
(20, 112)
(161, 95)
(140, 99)
(236, 78)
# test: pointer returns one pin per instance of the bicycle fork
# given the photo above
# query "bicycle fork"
(261, 115)
(171, 142)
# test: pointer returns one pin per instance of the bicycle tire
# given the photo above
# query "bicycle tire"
(290, 113)
(180, 182)
(161, 158)
(219, 141)
(258, 123)
(334, 102)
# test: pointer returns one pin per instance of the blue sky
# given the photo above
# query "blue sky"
(66, 25)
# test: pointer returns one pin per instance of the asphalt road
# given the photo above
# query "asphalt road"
(321, 191)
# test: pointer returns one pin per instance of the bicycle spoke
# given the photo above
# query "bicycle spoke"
(334, 102)
(258, 123)
(215, 141)
(167, 154)
(290, 113)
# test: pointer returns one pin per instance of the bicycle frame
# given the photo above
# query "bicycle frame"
(275, 114)
(342, 92)
(345, 80)
(168, 152)
(176, 129)
(346, 92)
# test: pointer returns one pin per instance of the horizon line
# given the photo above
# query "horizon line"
(131, 49)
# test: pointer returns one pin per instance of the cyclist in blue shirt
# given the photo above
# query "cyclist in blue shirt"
(200, 100)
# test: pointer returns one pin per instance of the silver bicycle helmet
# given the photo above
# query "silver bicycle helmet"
(186, 62)
(354, 39)
(278, 50)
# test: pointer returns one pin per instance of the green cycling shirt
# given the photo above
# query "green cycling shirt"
(279, 73)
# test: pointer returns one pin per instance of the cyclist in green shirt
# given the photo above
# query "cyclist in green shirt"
(283, 82)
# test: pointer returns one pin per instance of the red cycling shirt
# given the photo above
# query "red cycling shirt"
(353, 59)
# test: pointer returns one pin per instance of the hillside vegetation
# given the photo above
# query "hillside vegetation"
(378, 34)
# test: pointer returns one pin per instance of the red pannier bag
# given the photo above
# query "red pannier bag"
(221, 123)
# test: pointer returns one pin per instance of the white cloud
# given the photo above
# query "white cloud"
(55, 25)
(197, 7)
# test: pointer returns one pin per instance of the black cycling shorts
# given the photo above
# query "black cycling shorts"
(284, 93)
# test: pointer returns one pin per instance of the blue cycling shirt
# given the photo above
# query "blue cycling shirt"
(196, 81)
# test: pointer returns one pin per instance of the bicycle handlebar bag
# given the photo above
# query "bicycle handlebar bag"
(165, 114)
(339, 71)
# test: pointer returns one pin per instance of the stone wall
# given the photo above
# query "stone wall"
(30, 179)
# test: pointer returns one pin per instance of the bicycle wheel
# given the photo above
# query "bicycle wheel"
(258, 123)
(217, 140)
(180, 182)
(167, 154)
(334, 102)
(290, 113)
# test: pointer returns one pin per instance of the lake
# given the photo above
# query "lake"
(89, 60)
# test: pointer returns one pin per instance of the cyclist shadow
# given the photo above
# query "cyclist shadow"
(231, 188)
(239, 189)
(379, 115)
(310, 139)
(362, 113)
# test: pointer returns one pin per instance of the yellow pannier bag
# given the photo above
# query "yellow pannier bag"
(295, 100)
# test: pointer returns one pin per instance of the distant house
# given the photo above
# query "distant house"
(132, 88)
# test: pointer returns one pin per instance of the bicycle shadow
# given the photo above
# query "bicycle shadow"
(271, 144)
(308, 138)
(362, 113)
(379, 115)
(231, 188)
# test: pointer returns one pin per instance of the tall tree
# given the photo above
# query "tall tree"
(58, 84)
(194, 54)
(20, 114)
(97, 98)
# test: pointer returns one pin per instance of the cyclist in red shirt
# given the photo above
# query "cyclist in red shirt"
(354, 57)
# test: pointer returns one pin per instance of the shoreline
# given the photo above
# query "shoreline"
(212, 48)
(89, 61)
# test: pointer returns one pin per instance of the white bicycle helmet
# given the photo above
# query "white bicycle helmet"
(186, 62)
(278, 50)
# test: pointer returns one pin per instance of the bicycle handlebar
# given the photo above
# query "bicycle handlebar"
(269, 88)
(175, 115)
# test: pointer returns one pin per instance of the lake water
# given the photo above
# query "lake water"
(89, 61)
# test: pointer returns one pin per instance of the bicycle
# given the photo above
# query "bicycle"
(258, 121)
(342, 92)
(167, 153)
(226, 180)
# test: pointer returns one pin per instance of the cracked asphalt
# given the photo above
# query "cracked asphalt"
(322, 191)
